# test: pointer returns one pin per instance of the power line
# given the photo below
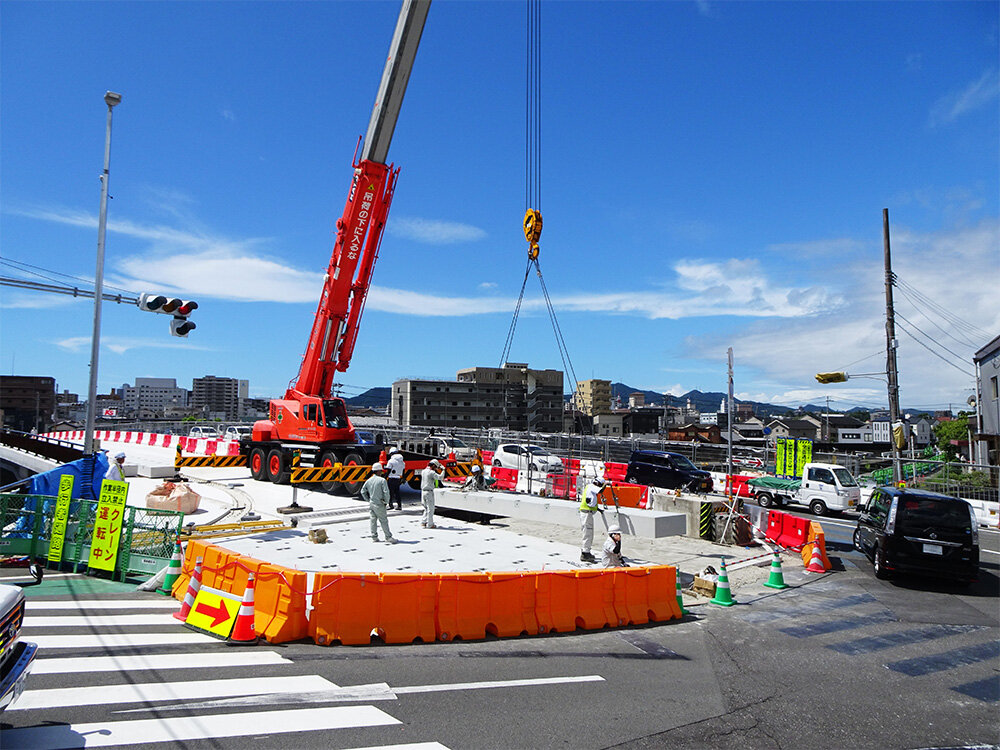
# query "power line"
(943, 359)
(963, 342)
(928, 336)
(941, 310)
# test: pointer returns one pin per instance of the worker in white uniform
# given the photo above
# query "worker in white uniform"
(396, 467)
(428, 480)
(612, 553)
(589, 506)
(376, 492)
(116, 468)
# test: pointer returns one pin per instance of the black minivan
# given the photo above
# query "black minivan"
(668, 470)
(912, 531)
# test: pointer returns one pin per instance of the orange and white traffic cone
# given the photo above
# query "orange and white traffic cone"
(816, 561)
(243, 628)
(194, 586)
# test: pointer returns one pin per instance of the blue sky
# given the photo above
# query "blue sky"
(713, 175)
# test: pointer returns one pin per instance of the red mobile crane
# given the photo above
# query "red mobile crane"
(309, 420)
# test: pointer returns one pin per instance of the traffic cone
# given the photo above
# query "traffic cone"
(776, 580)
(816, 561)
(243, 628)
(723, 596)
(680, 600)
(194, 586)
(173, 571)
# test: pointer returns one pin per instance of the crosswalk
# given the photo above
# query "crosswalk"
(969, 669)
(102, 660)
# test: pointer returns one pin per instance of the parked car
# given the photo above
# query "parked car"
(363, 437)
(904, 530)
(671, 471)
(524, 457)
(204, 432)
(237, 432)
(16, 656)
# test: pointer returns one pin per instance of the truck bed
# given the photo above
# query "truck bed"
(774, 483)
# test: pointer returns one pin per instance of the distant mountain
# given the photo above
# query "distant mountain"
(373, 398)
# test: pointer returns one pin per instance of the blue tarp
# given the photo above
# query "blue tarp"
(47, 483)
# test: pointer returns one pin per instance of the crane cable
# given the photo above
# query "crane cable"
(533, 183)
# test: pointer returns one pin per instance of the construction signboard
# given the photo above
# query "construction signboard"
(214, 612)
(57, 539)
(791, 456)
(108, 525)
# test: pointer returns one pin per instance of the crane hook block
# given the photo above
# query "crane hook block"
(532, 226)
(533, 251)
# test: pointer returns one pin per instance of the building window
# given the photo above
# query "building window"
(993, 388)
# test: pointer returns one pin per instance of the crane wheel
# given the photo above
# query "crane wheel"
(258, 465)
(353, 488)
(277, 467)
(329, 458)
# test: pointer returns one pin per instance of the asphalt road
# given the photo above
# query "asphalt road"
(841, 660)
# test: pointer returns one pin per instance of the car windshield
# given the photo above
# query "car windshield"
(680, 462)
(845, 478)
(455, 443)
(919, 513)
(536, 450)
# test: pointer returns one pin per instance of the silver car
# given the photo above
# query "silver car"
(526, 457)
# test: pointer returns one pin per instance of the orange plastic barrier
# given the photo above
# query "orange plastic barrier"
(615, 471)
(280, 604)
(595, 604)
(775, 519)
(506, 478)
(463, 606)
(738, 484)
(487, 457)
(407, 608)
(562, 486)
(193, 549)
(816, 537)
(631, 595)
(555, 601)
(512, 604)
(793, 531)
(571, 464)
(345, 607)
(629, 495)
(662, 593)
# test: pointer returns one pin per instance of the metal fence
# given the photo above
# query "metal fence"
(147, 536)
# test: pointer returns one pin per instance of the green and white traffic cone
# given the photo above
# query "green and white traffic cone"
(680, 600)
(723, 596)
(776, 580)
(173, 571)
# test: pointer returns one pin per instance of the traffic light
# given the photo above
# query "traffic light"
(179, 308)
(181, 326)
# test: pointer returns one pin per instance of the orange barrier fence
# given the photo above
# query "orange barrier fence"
(629, 495)
(615, 471)
(818, 538)
(787, 530)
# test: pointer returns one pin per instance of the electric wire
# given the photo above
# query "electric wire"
(37, 271)
(927, 336)
(963, 342)
(951, 317)
(936, 354)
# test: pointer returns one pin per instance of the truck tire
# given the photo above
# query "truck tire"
(277, 466)
(764, 500)
(329, 458)
(258, 464)
(817, 508)
(353, 488)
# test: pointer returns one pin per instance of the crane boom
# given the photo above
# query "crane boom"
(359, 230)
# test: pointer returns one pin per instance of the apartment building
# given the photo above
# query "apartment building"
(593, 397)
(219, 396)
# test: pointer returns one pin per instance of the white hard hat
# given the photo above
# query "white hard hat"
(376, 466)
(435, 464)
(614, 529)
(395, 450)
(475, 468)
(120, 454)
(599, 481)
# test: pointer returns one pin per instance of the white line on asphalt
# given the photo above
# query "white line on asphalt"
(88, 664)
(35, 604)
(168, 691)
(118, 640)
(98, 621)
(185, 728)
(407, 746)
(495, 684)
(989, 551)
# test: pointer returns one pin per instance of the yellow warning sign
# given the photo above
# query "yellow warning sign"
(214, 612)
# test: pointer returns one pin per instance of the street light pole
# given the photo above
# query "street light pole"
(111, 99)
(890, 349)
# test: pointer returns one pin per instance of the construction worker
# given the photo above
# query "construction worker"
(116, 468)
(428, 480)
(396, 467)
(612, 553)
(588, 507)
(376, 492)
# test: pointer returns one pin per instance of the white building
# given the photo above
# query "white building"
(152, 396)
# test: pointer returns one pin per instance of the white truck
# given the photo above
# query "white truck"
(823, 488)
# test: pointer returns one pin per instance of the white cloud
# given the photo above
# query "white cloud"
(977, 94)
(488, 285)
(120, 345)
(433, 232)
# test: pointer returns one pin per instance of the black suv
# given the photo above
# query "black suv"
(669, 470)
(912, 531)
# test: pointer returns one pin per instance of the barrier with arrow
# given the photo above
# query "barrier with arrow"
(214, 612)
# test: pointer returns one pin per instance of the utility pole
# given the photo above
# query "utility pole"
(890, 349)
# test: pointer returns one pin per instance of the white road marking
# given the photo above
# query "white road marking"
(407, 746)
(97, 621)
(168, 691)
(118, 640)
(186, 728)
(171, 604)
(496, 684)
(156, 661)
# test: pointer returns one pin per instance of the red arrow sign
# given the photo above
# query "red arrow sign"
(220, 613)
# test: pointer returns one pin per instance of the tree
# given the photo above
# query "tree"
(953, 429)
